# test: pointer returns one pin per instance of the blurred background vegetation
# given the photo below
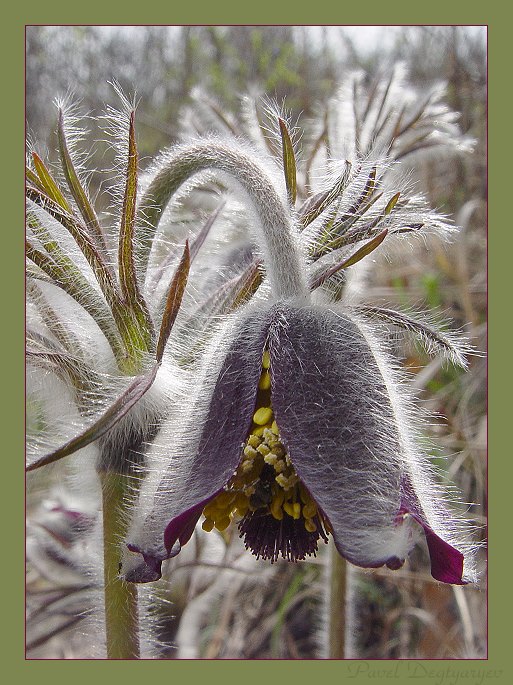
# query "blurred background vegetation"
(278, 612)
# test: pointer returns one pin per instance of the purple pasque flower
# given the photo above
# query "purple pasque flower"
(293, 422)
(296, 431)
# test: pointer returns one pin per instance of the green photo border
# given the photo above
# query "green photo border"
(497, 666)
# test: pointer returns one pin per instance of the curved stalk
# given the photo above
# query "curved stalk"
(273, 230)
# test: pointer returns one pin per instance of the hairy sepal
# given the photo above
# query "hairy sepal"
(176, 484)
(438, 501)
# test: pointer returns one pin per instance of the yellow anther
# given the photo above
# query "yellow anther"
(282, 481)
(265, 381)
(224, 499)
(286, 482)
(240, 499)
(270, 438)
(287, 494)
(207, 525)
(210, 510)
(278, 495)
(222, 523)
(247, 466)
(263, 449)
(241, 504)
(279, 466)
(310, 526)
(304, 494)
(293, 509)
(243, 509)
(266, 359)
(250, 452)
(276, 505)
(309, 510)
(263, 416)
(276, 511)
(254, 440)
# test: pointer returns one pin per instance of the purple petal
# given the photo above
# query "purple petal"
(203, 463)
(180, 529)
(336, 419)
(146, 571)
(446, 560)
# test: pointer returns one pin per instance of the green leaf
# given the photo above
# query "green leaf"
(246, 286)
(353, 259)
(107, 421)
(335, 237)
(409, 228)
(289, 162)
(226, 299)
(370, 185)
(43, 261)
(33, 178)
(64, 365)
(60, 356)
(49, 184)
(82, 238)
(315, 205)
(77, 190)
(434, 338)
(391, 204)
(229, 295)
(377, 126)
(200, 238)
(133, 331)
(173, 300)
(366, 249)
(127, 271)
(59, 328)
(127, 275)
(65, 274)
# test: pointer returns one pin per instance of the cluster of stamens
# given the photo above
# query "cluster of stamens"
(278, 516)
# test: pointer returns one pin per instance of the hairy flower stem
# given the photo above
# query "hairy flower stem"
(273, 230)
(121, 615)
(337, 605)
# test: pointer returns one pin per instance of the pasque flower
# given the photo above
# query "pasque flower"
(289, 421)
(296, 424)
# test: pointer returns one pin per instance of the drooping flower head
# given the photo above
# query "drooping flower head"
(293, 425)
